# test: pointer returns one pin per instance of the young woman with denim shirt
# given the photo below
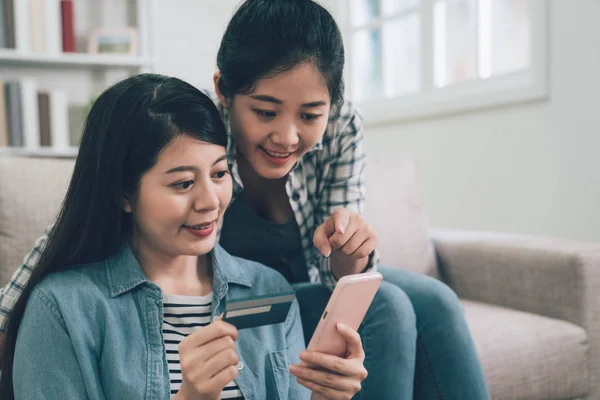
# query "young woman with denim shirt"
(134, 241)
(297, 160)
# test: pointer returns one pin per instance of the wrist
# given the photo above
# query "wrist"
(342, 265)
(180, 395)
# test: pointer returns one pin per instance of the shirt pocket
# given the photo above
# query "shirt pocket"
(280, 361)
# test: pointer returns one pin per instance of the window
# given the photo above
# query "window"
(382, 65)
(414, 58)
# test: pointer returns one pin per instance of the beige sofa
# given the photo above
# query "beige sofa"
(533, 304)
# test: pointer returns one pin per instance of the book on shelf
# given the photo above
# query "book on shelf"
(36, 25)
(59, 119)
(68, 28)
(22, 25)
(8, 21)
(77, 115)
(2, 25)
(3, 117)
(31, 119)
(44, 118)
(41, 26)
(13, 111)
(53, 27)
(29, 107)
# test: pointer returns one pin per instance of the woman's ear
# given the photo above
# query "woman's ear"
(126, 205)
(222, 99)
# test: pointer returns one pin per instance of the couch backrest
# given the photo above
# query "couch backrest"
(31, 191)
(395, 209)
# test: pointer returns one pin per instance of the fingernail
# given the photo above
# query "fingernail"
(303, 354)
(341, 326)
(325, 251)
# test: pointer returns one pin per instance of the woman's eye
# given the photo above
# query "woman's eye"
(221, 174)
(266, 113)
(310, 117)
(184, 185)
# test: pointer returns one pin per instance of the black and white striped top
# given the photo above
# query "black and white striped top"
(182, 316)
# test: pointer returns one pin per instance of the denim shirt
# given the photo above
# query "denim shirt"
(95, 332)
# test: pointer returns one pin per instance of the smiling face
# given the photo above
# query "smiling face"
(280, 120)
(181, 199)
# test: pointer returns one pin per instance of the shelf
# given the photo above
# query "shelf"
(12, 57)
(70, 152)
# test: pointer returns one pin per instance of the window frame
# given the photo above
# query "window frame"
(523, 86)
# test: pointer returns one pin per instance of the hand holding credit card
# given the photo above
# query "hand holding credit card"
(258, 311)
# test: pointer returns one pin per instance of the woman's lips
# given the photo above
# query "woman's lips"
(277, 158)
(201, 230)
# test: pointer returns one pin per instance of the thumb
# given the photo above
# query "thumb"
(321, 241)
(355, 349)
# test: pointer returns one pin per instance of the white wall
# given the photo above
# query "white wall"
(189, 38)
(531, 168)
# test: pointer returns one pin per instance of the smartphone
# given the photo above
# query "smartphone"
(348, 304)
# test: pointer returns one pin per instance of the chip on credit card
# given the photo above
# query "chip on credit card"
(258, 311)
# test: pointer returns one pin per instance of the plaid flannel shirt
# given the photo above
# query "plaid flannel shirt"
(331, 175)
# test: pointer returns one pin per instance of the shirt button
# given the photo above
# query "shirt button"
(295, 196)
(240, 366)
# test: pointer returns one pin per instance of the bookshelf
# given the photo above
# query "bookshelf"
(56, 84)
(81, 60)
(69, 152)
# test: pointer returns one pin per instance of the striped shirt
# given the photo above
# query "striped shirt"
(182, 316)
(330, 176)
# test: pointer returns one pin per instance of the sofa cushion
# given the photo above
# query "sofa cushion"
(395, 210)
(527, 356)
(31, 191)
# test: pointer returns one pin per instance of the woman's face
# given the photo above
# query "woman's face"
(280, 120)
(181, 199)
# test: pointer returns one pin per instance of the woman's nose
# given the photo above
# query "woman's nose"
(286, 136)
(206, 199)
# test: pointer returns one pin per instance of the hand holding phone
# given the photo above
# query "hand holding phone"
(321, 370)
(348, 305)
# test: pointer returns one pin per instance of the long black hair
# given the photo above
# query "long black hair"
(266, 37)
(127, 127)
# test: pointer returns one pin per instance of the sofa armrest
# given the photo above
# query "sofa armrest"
(551, 277)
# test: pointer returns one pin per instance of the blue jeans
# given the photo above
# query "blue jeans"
(415, 337)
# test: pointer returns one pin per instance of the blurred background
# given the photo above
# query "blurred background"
(496, 100)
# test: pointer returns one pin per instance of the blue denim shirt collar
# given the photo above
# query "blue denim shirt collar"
(223, 277)
(125, 273)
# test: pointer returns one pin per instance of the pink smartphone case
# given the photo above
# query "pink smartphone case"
(348, 304)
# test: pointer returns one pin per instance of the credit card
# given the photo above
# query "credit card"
(258, 311)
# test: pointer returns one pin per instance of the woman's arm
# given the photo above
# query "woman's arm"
(45, 364)
(11, 292)
(344, 191)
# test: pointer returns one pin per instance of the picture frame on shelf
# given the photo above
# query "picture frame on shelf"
(122, 41)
